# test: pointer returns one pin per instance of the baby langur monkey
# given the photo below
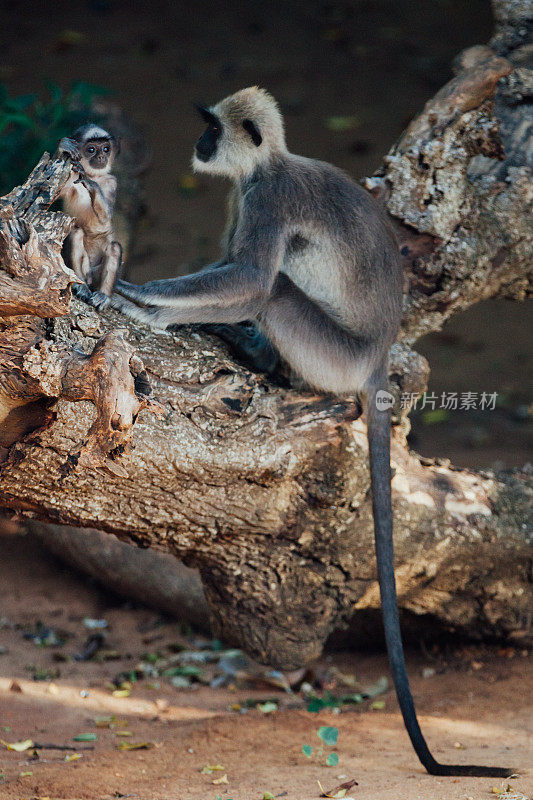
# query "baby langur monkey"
(89, 196)
(309, 257)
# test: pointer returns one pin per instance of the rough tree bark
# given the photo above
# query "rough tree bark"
(267, 490)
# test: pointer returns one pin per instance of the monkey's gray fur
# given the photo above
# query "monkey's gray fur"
(89, 196)
(311, 259)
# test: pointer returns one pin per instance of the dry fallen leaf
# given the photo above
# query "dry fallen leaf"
(18, 747)
(110, 722)
(508, 794)
(339, 791)
(135, 745)
(209, 768)
(220, 781)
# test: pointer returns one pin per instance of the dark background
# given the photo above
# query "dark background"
(372, 63)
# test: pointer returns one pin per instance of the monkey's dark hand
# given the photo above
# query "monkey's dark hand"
(95, 193)
(82, 292)
(97, 300)
(68, 148)
(91, 186)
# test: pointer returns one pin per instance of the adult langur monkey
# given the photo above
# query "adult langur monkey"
(310, 259)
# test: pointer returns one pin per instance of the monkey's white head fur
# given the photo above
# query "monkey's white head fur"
(237, 154)
(91, 131)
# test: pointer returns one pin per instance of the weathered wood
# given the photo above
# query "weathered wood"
(35, 287)
(156, 579)
(266, 490)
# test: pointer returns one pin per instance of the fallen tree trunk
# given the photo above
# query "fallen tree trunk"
(266, 490)
(155, 579)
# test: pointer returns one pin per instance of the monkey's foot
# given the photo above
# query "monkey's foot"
(98, 300)
(249, 345)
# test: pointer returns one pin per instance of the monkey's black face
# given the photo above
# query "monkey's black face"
(97, 152)
(206, 146)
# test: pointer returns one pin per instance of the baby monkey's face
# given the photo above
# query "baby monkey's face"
(97, 155)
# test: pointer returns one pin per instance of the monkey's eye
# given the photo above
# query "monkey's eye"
(91, 150)
(105, 149)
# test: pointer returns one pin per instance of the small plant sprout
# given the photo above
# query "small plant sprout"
(328, 736)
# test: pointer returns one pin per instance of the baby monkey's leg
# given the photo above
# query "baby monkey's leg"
(79, 261)
(111, 268)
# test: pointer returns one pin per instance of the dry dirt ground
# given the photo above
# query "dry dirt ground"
(475, 707)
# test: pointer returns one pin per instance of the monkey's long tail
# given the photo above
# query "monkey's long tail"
(379, 448)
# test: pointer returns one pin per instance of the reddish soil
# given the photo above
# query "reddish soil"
(475, 708)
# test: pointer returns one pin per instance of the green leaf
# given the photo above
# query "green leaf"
(332, 760)
(20, 103)
(268, 796)
(328, 735)
(188, 671)
(88, 91)
(314, 705)
(85, 737)
(352, 699)
(17, 119)
(342, 124)
(328, 700)
(151, 658)
(56, 93)
(268, 707)
(435, 416)
(377, 705)
(307, 750)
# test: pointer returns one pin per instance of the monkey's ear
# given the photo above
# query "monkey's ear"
(251, 128)
(206, 115)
